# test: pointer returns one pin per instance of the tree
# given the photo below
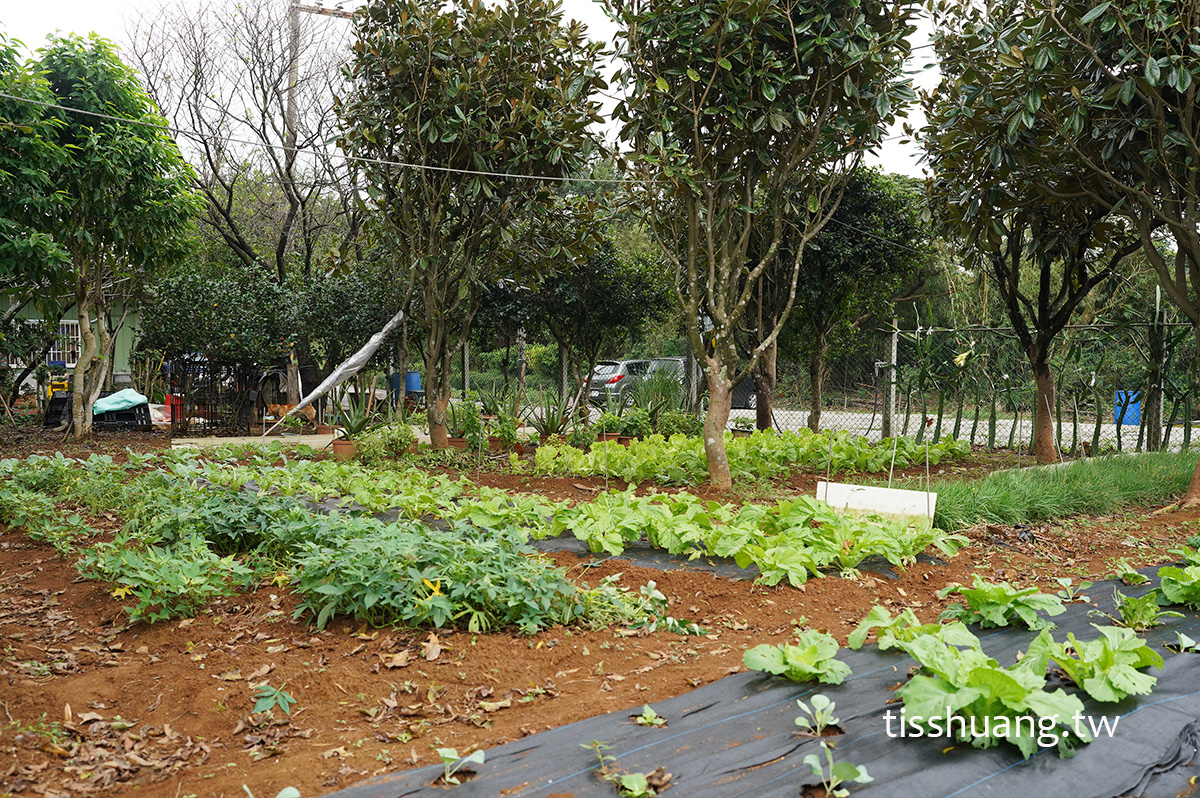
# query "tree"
(255, 82)
(1117, 87)
(1014, 188)
(31, 258)
(853, 270)
(124, 206)
(447, 99)
(590, 304)
(728, 100)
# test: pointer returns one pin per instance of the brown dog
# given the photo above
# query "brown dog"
(279, 411)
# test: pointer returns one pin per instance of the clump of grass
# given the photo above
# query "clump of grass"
(1086, 487)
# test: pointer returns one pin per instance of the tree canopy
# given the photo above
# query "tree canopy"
(724, 99)
(465, 93)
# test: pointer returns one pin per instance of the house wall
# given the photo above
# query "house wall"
(125, 339)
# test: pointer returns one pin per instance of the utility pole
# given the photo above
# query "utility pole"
(291, 136)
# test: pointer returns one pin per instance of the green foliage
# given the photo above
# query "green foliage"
(1180, 585)
(764, 454)
(649, 717)
(1095, 486)
(387, 443)
(30, 154)
(1106, 668)
(818, 717)
(678, 422)
(42, 520)
(235, 315)
(412, 575)
(636, 423)
(552, 416)
(452, 763)
(904, 628)
(1009, 703)
(811, 659)
(997, 604)
(457, 85)
(834, 774)
(174, 581)
(628, 785)
(1139, 613)
(1127, 574)
(268, 697)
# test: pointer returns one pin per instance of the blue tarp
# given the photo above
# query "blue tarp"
(121, 400)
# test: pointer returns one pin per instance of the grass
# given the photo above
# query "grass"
(1094, 486)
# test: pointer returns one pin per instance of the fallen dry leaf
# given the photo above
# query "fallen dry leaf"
(397, 660)
(261, 671)
(340, 751)
(492, 706)
(229, 676)
(432, 647)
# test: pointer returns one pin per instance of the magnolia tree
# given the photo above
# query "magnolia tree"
(447, 98)
(1013, 191)
(726, 101)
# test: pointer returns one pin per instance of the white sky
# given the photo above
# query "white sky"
(31, 21)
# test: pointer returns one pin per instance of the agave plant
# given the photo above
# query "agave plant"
(552, 416)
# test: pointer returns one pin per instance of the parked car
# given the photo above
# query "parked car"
(744, 395)
(617, 380)
(613, 382)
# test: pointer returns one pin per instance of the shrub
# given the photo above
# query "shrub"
(389, 442)
(677, 422)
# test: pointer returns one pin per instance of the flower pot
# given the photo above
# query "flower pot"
(326, 429)
(742, 433)
(344, 449)
(457, 443)
(625, 441)
(608, 436)
(494, 444)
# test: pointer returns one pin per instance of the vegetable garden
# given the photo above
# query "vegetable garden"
(273, 617)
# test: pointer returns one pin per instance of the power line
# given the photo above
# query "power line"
(355, 158)
(381, 162)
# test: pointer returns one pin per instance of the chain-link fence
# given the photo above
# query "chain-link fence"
(1120, 387)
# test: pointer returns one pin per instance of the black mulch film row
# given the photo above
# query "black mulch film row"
(737, 738)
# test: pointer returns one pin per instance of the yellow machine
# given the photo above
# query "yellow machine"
(57, 381)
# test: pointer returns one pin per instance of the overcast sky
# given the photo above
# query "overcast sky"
(32, 20)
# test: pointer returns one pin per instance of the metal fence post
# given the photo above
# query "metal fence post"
(889, 391)
(466, 368)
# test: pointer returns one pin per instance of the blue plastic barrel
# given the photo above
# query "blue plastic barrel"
(1131, 401)
(412, 381)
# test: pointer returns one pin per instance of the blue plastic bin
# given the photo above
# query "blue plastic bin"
(412, 381)
(1132, 402)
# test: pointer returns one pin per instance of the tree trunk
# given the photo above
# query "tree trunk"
(816, 380)
(437, 389)
(764, 387)
(720, 401)
(1043, 417)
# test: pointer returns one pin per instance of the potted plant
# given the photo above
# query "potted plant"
(292, 425)
(608, 427)
(504, 435)
(464, 427)
(496, 401)
(357, 418)
(551, 417)
(742, 427)
(635, 424)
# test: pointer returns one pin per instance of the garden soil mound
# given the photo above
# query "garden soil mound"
(737, 737)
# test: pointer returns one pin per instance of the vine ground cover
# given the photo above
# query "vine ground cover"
(67, 643)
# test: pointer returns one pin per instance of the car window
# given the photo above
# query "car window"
(605, 369)
(638, 368)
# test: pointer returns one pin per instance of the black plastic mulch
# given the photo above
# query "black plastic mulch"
(736, 737)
